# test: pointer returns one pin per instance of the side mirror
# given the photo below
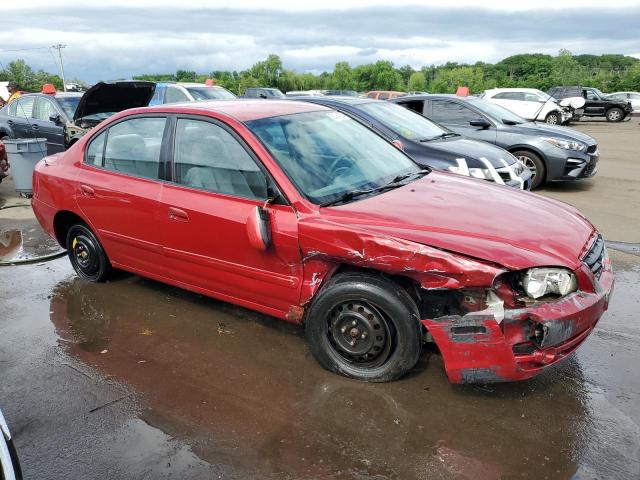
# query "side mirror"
(259, 228)
(480, 122)
(55, 118)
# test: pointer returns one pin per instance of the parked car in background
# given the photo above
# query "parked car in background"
(551, 152)
(9, 464)
(383, 94)
(174, 92)
(529, 103)
(62, 118)
(631, 97)
(596, 104)
(304, 93)
(341, 93)
(430, 144)
(314, 218)
(265, 93)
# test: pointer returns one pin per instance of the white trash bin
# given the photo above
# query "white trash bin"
(23, 154)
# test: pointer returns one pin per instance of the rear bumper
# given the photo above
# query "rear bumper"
(45, 214)
(490, 350)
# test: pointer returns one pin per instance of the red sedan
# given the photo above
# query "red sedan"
(300, 212)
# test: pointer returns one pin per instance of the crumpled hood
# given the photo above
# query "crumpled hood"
(502, 225)
(113, 97)
(557, 131)
(473, 149)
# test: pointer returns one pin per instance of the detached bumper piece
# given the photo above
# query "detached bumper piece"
(503, 345)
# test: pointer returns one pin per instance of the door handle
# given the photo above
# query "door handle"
(178, 215)
(9, 122)
(87, 191)
(35, 127)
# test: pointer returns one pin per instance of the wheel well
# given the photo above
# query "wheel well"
(3, 133)
(61, 224)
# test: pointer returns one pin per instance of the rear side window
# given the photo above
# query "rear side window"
(444, 111)
(174, 95)
(509, 96)
(209, 158)
(24, 107)
(95, 151)
(133, 147)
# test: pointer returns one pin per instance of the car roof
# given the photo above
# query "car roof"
(55, 95)
(242, 109)
(512, 89)
(338, 99)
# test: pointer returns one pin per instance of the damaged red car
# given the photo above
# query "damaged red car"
(302, 213)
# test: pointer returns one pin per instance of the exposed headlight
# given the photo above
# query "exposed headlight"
(566, 144)
(538, 282)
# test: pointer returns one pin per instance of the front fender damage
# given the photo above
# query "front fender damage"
(326, 245)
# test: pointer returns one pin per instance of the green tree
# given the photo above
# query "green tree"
(342, 77)
(268, 71)
(417, 82)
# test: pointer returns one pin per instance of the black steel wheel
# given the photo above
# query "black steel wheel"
(534, 163)
(364, 326)
(86, 254)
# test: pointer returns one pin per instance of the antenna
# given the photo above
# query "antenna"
(59, 47)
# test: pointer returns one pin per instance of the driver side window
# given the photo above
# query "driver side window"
(453, 113)
(207, 157)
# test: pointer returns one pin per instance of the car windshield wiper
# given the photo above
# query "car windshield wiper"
(395, 183)
(438, 137)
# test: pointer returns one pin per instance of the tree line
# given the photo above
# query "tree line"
(608, 72)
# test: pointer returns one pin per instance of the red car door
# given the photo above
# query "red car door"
(118, 188)
(217, 184)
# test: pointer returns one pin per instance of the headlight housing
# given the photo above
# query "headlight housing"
(539, 282)
(566, 144)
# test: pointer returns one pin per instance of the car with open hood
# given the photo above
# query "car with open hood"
(550, 152)
(62, 118)
(430, 144)
(175, 92)
(303, 213)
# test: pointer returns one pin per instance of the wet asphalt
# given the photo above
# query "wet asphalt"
(135, 379)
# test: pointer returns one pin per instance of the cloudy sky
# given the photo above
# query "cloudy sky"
(119, 38)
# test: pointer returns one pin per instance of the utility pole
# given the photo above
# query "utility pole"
(59, 47)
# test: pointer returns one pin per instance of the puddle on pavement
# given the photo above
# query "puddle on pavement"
(24, 240)
(243, 390)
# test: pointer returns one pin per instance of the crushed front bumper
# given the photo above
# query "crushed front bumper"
(483, 348)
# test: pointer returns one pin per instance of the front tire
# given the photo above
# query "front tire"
(534, 163)
(553, 118)
(615, 115)
(87, 256)
(364, 326)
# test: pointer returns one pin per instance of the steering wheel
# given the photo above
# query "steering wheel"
(334, 170)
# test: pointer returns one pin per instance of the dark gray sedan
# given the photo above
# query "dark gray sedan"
(551, 152)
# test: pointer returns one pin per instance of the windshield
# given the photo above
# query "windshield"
(69, 105)
(545, 96)
(496, 112)
(274, 93)
(327, 154)
(210, 93)
(403, 121)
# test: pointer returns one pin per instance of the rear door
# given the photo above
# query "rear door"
(118, 188)
(22, 119)
(217, 184)
(52, 131)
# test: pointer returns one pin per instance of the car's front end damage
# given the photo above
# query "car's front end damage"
(498, 309)
(500, 334)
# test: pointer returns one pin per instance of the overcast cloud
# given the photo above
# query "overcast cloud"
(117, 41)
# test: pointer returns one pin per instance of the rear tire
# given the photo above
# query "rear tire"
(614, 114)
(364, 326)
(87, 256)
(553, 118)
(534, 163)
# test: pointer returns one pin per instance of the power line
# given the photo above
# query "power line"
(22, 49)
